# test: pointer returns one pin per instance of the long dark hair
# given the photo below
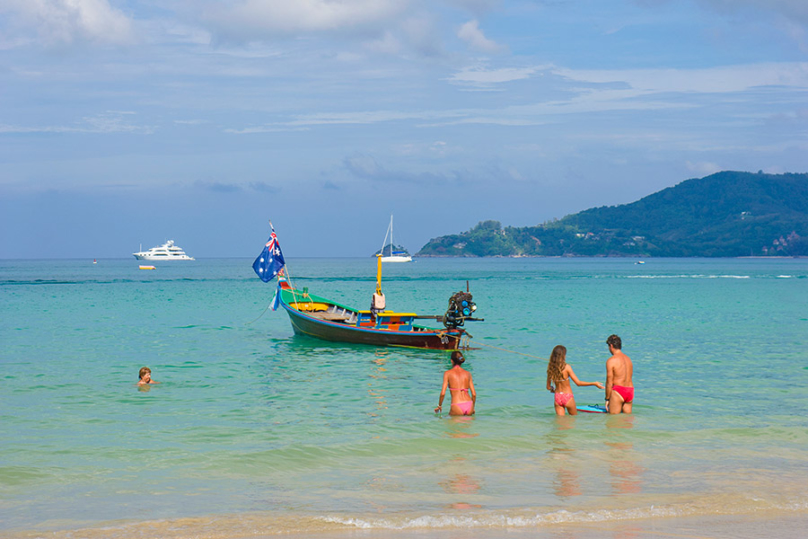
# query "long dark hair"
(457, 357)
(558, 360)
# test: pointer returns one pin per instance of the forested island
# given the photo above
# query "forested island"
(728, 214)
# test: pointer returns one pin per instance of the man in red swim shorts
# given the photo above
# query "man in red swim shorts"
(619, 387)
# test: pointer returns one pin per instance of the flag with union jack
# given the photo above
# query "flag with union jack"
(270, 261)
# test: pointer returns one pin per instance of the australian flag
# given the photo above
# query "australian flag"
(270, 261)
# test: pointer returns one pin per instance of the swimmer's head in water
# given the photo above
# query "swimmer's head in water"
(615, 342)
(457, 357)
(143, 372)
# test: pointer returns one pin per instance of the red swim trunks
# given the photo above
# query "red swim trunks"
(561, 399)
(626, 392)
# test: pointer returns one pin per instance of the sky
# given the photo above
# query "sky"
(128, 123)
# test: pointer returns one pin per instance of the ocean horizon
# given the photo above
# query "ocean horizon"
(256, 432)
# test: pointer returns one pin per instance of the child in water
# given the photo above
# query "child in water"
(560, 373)
(145, 377)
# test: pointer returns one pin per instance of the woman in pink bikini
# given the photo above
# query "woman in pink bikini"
(560, 373)
(459, 382)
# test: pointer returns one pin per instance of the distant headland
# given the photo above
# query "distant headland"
(727, 214)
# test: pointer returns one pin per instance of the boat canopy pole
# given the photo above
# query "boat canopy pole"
(379, 274)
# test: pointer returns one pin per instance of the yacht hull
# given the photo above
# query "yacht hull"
(167, 251)
(161, 258)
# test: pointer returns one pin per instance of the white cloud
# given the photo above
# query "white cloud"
(262, 129)
(388, 44)
(366, 117)
(363, 165)
(190, 122)
(422, 34)
(471, 34)
(70, 21)
(481, 76)
(710, 80)
(108, 122)
(270, 17)
(703, 168)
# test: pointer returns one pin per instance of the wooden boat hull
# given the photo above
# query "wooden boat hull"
(389, 329)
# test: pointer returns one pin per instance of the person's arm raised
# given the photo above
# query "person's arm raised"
(581, 383)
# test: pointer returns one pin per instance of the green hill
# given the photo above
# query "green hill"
(725, 214)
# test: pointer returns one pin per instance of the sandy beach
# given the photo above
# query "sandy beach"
(786, 525)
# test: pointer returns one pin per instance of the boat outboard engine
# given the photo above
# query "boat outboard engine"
(460, 309)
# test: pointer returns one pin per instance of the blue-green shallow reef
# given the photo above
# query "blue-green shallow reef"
(250, 420)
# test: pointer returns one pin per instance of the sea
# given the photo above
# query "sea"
(256, 432)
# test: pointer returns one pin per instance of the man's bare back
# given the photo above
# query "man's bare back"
(619, 384)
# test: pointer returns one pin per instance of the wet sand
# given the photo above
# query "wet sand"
(784, 526)
(702, 527)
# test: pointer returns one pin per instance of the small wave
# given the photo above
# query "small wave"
(505, 521)
(685, 276)
(269, 524)
(562, 516)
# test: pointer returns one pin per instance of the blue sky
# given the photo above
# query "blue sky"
(126, 123)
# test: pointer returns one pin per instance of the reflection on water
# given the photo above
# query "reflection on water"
(562, 459)
(575, 472)
(460, 426)
(459, 484)
(458, 478)
(378, 395)
(624, 462)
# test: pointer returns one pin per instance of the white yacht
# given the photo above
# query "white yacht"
(389, 255)
(167, 251)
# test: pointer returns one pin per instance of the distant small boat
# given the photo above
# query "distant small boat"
(146, 267)
(640, 262)
(95, 261)
(167, 251)
(392, 255)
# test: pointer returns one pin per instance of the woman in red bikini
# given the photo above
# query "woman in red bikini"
(559, 373)
(459, 382)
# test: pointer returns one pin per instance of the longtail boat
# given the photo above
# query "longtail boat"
(316, 316)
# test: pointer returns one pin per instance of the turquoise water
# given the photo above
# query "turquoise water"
(254, 427)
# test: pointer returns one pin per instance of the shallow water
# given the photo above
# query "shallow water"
(254, 427)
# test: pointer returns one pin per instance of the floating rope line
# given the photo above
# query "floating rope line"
(260, 315)
(288, 278)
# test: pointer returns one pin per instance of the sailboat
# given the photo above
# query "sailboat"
(393, 256)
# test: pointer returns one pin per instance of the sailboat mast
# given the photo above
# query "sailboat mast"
(384, 242)
(391, 235)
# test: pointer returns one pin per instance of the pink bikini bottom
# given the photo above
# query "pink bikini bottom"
(561, 399)
(465, 407)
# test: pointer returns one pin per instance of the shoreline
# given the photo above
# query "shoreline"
(659, 522)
